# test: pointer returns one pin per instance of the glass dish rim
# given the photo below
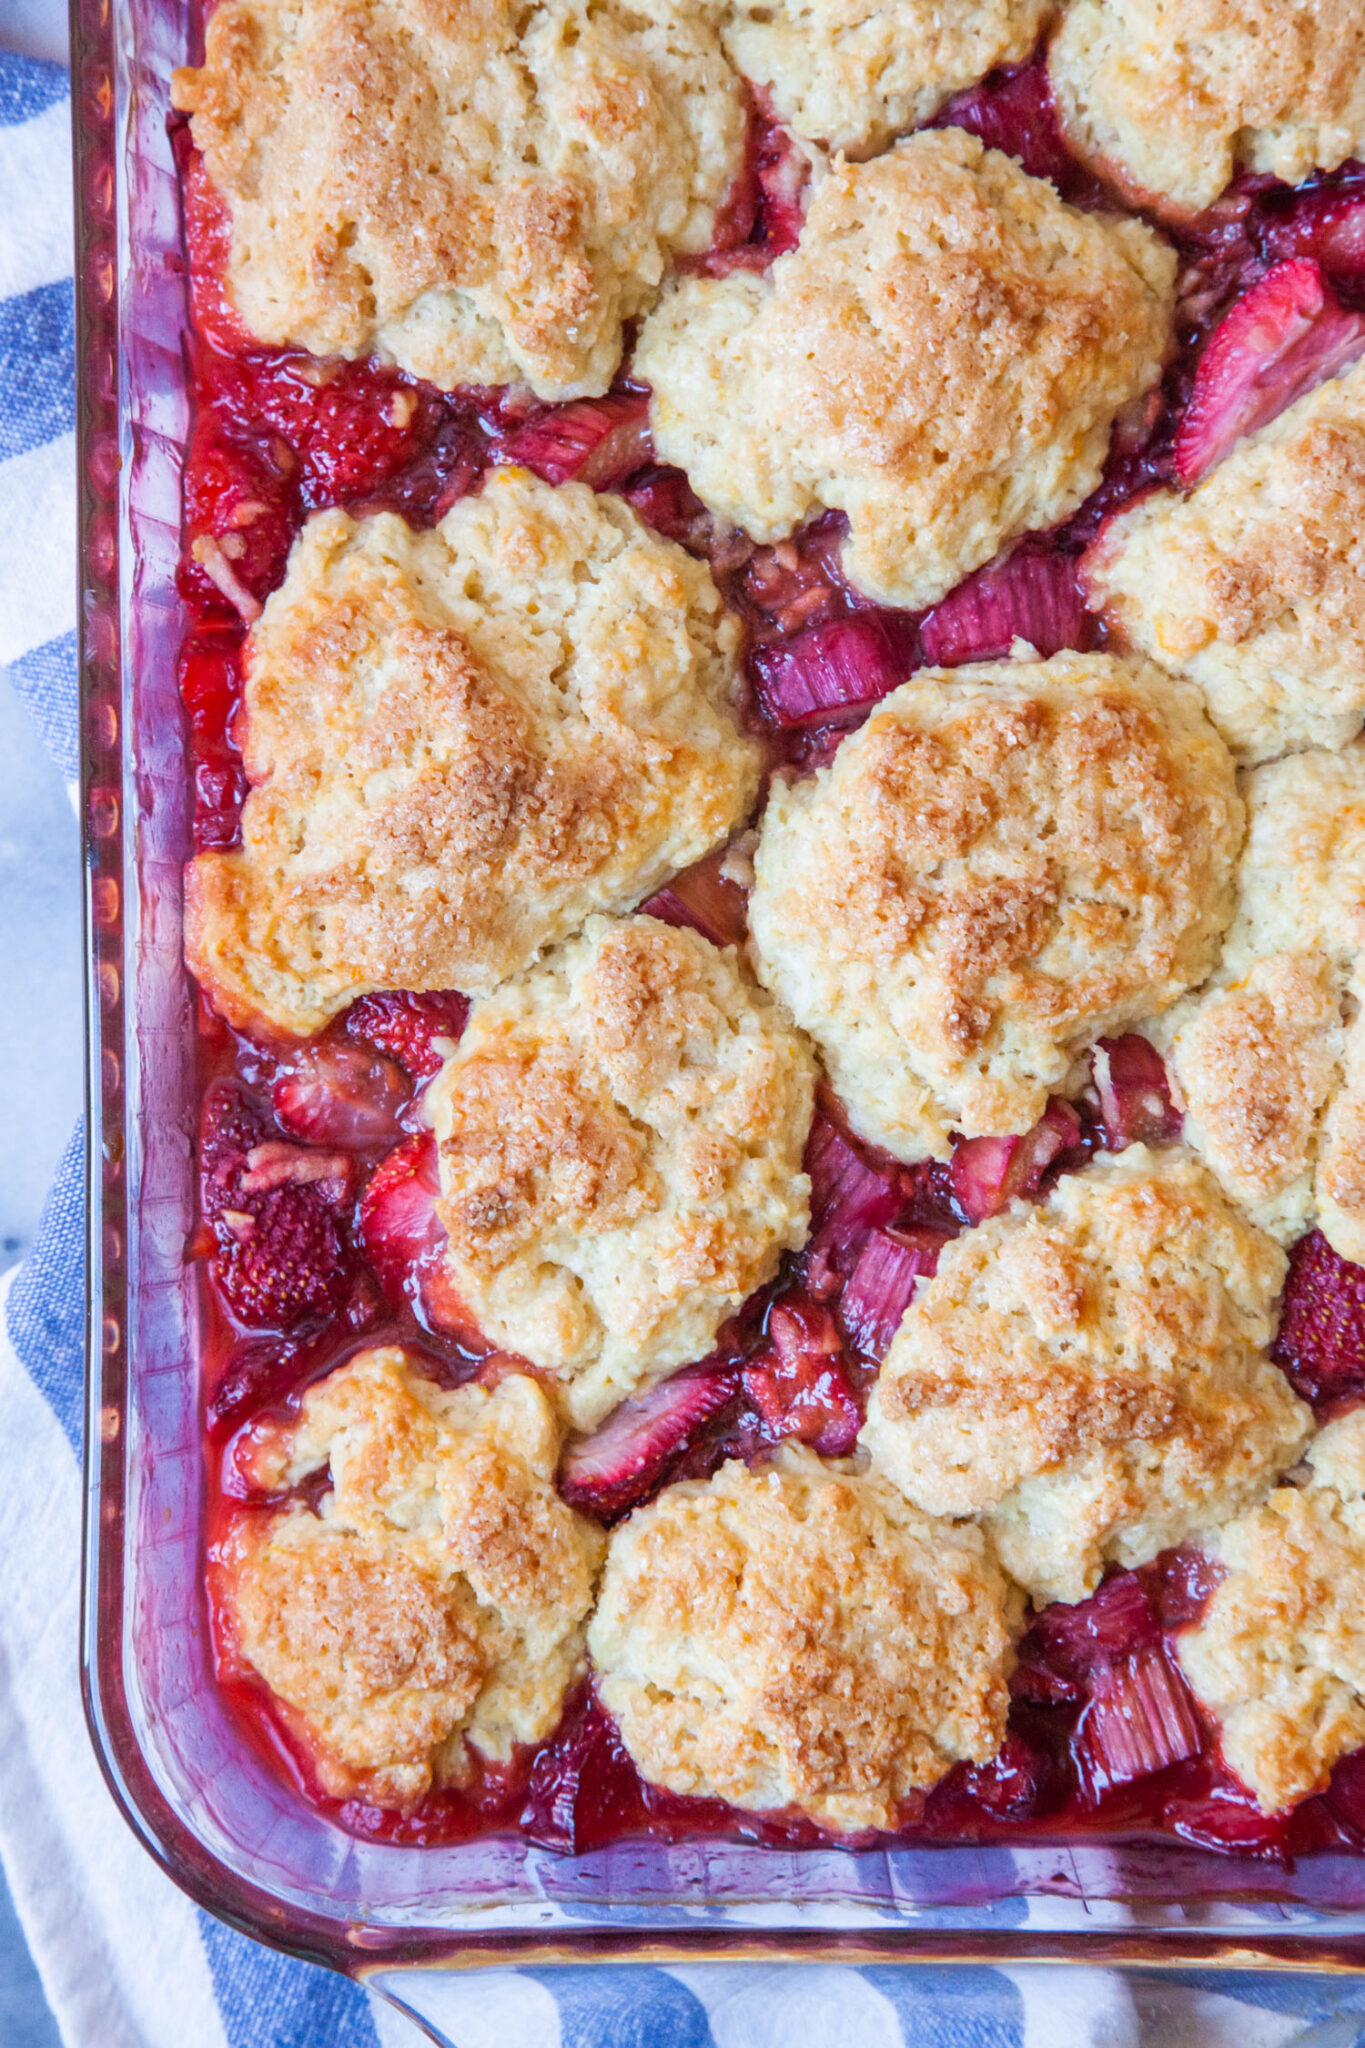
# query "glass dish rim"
(101, 32)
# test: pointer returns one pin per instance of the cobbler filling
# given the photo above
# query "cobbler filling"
(319, 1236)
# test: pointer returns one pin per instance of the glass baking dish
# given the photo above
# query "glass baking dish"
(200, 1799)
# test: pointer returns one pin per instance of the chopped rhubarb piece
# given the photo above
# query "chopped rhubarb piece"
(415, 1030)
(1115, 1622)
(277, 1213)
(1140, 1718)
(882, 1285)
(832, 673)
(702, 898)
(989, 1173)
(848, 1197)
(1287, 334)
(1032, 595)
(1134, 1093)
(597, 441)
(799, 1385)
(607, 1472)
(1320, 1344)
(339, 1094)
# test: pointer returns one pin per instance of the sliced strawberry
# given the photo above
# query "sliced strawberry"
(1287, 334)
(799, 1384)
(882, 1285)
(277, 1213)
(609, 1471)
(256, 1375)
(405, 1241)
(703, 900)
(1320, 1344)
(989, 1173)
(340, 1094)
(1012, 110)
(410, 1028)
(834, 672)
(1134, 1091)
(597, 441)
(1033, 595)
(1140, 1718)
(1327, 226)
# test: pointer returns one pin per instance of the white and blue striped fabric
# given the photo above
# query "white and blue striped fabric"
(125, 1961)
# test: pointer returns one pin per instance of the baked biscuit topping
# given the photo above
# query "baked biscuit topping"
(1278, 1654)
(486, 193)
(1005, 862)
(1254, 585)
(853, 73)
(462, 743)
(1269, 1060)
(1090, 1376)
(942, 356)
(620, 1136)
(799, 1636)
(1170, 97)
(437, 1599)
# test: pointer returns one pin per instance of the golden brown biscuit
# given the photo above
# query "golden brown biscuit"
(1004, 863)
(853, 73)
(1278, 1655)
(1268, 1061)
(435, 1601)
(1170, 97)
(942, 356)
(796, 1635)
(1254, 584)
(462, 743)
(485, 193)
(1090, 1377)
(621, 1134)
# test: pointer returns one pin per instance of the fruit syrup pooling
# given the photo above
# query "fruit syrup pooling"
(318, 1236)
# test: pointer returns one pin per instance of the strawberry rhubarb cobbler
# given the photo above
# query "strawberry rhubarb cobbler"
(775, 665)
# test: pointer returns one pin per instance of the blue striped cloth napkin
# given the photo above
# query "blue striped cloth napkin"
(125, 1960)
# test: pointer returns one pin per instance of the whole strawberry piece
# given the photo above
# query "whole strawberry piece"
(407, 1027)
(1321, 1340)
(277, 1212)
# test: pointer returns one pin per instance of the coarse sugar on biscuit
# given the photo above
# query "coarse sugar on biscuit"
(620, 1136)
(462, 743)
(1090, 1376)
(1005, 862)
(942, 357)
(1254, 584)
(850, 74)
(485, 193)
(1170, 98)
(435, 1602)
(796, 1635)
(1278, 1655)
(1268, 1060)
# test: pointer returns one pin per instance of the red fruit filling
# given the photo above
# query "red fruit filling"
(1321, 1339)
(1133, 1091)
(832, 674)
(597, 441)
(628, 1457)
(1032, 595)
(1140, 1718)
(339, 1094)
(1012, 110)
(702, 899)
(278, 1216)
(415, 1030)
(1287, 334)
(764, 208)
(405, 1242)
(799, 1385)
(989, 1173)
(882, 1285)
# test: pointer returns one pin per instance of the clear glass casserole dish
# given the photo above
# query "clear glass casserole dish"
(202, 1801)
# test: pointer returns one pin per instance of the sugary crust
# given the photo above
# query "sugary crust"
(462, 743)
(1268, 1061)
(798, 1636)
(1005, 862)
(1090, 1375)
(484, 192)
(1170, 97)
(853, 73)
(438, 1598)
(942, 356)
(1254, 584)
(1278, 1655)
(621, 1134)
